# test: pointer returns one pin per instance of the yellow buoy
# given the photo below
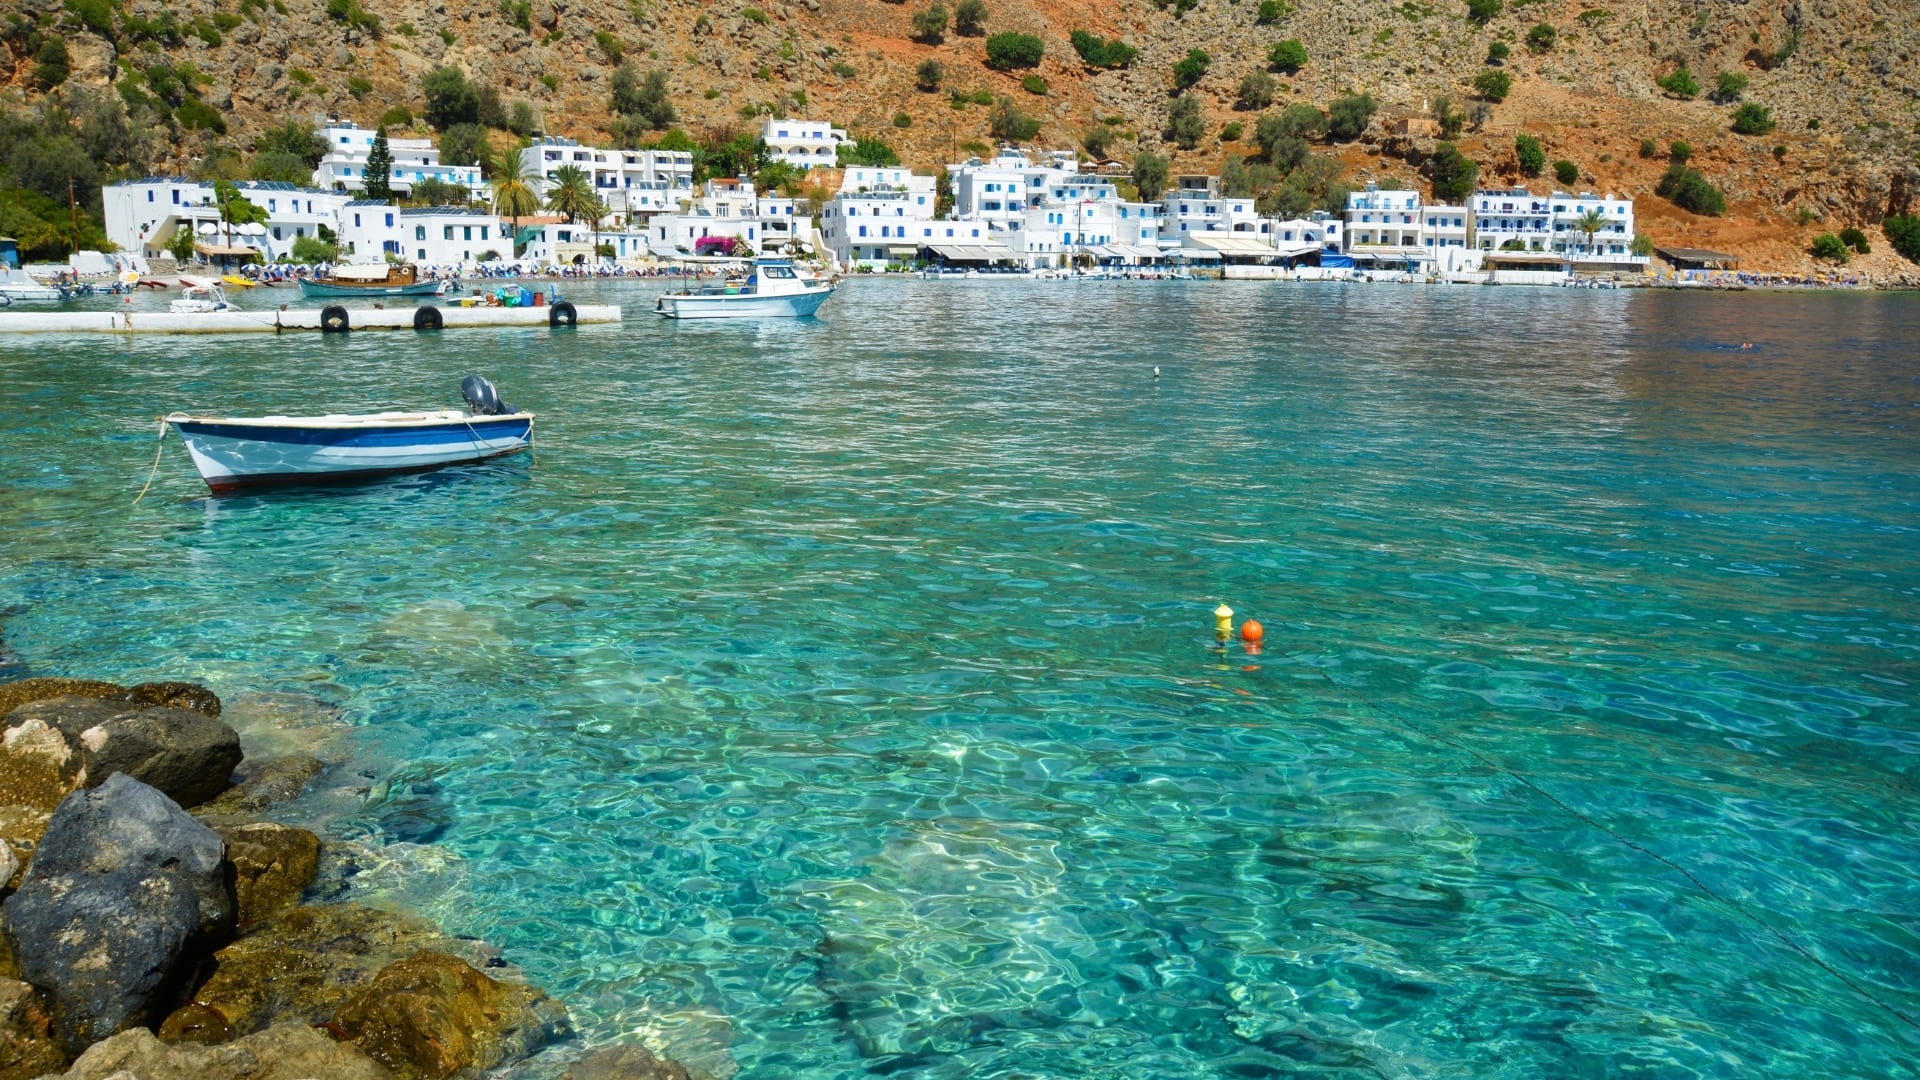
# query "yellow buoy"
(1223, 622)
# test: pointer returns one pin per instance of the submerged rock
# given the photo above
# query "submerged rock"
(272, 866)
(124, 897)
(27, 1047)
(263, 784)
(299, 967)
(187, 754)
(432, 1017)
(624, 1063)
(285, 1052)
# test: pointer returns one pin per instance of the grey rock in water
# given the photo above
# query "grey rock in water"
(185, 753)
(624, 1063)
(285, 1052)
(124, 898)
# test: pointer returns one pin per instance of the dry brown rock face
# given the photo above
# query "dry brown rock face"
(286, 1052)
(433, 1017)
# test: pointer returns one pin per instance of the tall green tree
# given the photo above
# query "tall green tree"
(1150, 174)
(512, 198)
(1186, 124)
(572, 194)
(648, 100)
(451, 99)
(377, 184)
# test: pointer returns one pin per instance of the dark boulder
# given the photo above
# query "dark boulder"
(186, 754)
(124, 898)
(433, 1017)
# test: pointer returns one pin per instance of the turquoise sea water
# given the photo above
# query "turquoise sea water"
(840, 699)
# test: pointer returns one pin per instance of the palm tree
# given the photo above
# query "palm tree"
(572, 194)
(1590, 222)
(512, 198)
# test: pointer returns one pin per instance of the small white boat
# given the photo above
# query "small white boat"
(772, 289)
(17, 284)
(199, 296)
(236, 453)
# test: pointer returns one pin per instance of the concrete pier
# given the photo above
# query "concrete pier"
(276, 321)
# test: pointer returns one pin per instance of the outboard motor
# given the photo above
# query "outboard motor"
(483, 399)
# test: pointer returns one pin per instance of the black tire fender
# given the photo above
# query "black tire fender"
(427, 317)
(333, 320)
(562, 314)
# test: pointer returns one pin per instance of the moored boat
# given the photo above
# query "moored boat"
(378, 280)
(238, 453)
(17, 284)
(199, 296)
(773, 288)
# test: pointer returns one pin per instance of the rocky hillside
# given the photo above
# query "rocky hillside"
(1841, 77)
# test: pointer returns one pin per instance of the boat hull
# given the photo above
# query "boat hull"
(795, 305)
(321, 290)
(248, 455)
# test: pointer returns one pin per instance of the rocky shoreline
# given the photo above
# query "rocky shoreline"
(154, 925)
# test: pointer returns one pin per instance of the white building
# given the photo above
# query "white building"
(142, 216)
(1383, 218)
(1195, 205)
(431, 235)
(1611, 242)
(635, 184)
(1321, 229)
(726, 207)
(807, 144)
(881, 214)
(345, 166)
(1512, 219)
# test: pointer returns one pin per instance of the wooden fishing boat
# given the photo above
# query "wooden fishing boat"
(375, 281)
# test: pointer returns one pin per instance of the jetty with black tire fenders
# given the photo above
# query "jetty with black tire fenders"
(334, 318)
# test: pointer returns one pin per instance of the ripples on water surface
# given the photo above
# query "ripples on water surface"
(837, 699)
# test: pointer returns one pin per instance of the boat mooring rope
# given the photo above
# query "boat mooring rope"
(158, 446)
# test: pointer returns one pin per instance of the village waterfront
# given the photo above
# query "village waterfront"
(840, 697)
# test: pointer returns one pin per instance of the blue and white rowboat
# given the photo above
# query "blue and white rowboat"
(235, 453)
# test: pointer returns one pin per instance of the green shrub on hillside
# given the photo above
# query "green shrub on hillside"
(1903, 232)
(1566, 171)
(1540, 39)
(1256, 91)
(1728, 86)
(1531, 156)
(1186, 123)
(1103, 53)
(1498, 52)
(1009, 50)
(1689, 190)
(1680, 84)
(1008, 124)
(1272, 11)
(1034, 84)
(1191, 68)
(1288, 56)
(970, 18)
(1348, 116)
(1856, 240)
(1492, 85)
(1453, 174)
(930, 25)
(1483, 11)
(929, 75)
(1828, 246)
(1752, 118)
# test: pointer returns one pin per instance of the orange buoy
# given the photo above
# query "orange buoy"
(1251, 631)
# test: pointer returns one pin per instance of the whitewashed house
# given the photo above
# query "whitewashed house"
(430, 235)
(345, 166)
(1612, 242)
(726, 207)
(880, 215)
(635, 184)
(806, 144)
(142, 216)
(1512, 219)
(1195, 206)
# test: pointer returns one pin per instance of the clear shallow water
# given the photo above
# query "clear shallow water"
(838, 699)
